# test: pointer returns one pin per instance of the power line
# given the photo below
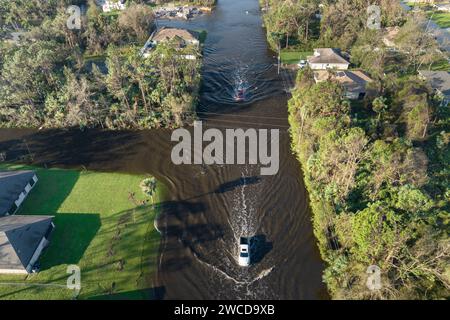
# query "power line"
(240, 115)
(250, 123)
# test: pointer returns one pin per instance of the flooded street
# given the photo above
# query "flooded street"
(207, 208)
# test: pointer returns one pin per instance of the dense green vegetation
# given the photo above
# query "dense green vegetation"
(96, 76)
(378, 182)
(291, 23)
(306, 24)
(376, 169)
(103, 225)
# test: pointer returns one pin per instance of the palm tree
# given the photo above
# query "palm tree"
(149, 186)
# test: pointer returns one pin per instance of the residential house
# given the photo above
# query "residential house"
(168, 34)
(182, 36)
(354, 82)
(445, 7)
(327, 58)
(111, 5)
(440, 82)
(14, 188)
(22, 239)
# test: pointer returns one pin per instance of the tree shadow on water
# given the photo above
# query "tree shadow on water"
(259, 247)
(180, 209)
(197, 233)
(231, 185)
(175, 264)
(73, 148)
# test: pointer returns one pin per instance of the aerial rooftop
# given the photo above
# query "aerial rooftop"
(438, 80)
(12, 184)
(165, 34)
(20, 238)
(326, 56)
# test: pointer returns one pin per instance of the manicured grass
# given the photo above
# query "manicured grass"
(442, 65)
(99, 228)
(293, 57)
(442, 19)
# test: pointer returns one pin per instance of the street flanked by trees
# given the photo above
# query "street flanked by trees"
(376, 169)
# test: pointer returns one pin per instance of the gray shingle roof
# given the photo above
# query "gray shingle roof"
(439, 80)
(12, 183)
(327, 55)
(19, 238)
(165, 34)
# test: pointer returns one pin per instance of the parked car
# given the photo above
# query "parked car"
(302, 64)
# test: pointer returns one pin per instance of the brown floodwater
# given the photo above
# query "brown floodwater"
(207, 208)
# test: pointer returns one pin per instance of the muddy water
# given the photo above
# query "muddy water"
(207, 208)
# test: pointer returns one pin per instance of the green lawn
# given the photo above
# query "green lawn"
(442, 19)
(293, 57)
(441, 65)
(110, 237)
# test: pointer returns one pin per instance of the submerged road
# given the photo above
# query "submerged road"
(207, 208)
(221, 203)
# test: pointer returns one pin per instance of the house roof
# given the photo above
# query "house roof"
(353, 81)
(165, 34)
(12, 183)
(19, 238)
(442, 6)
(327, 55)
(439, 80)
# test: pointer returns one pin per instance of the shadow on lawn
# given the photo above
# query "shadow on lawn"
(73, 234)
(52, 189)
(156, 293)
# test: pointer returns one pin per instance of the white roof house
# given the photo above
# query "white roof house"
(327, 58)
(167, 34)
(182, 37)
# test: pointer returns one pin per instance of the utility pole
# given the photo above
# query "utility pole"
(277, 36)
(279, 56)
